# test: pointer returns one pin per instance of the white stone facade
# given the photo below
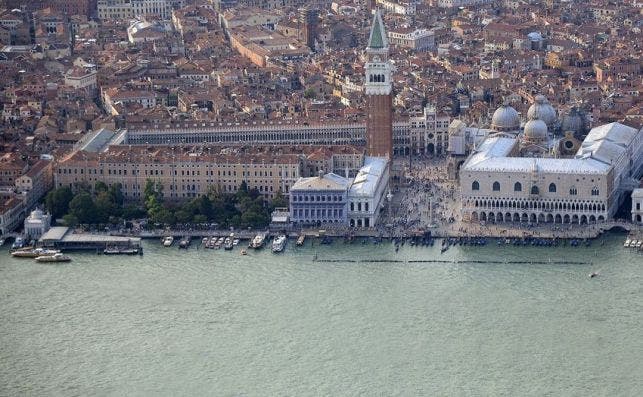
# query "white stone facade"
(427, 128)
(36, 224)
(124, 9)
(401, 8)
(497, 186)
(367, 194)
(319, 200)
(417, 39)
(637, 206)
(462, 3)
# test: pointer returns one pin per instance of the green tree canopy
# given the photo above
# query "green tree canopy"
(57, 201)
(100, 186)
(279, 200)
(83, 208)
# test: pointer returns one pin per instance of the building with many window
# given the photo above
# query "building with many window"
(462, 3)
(637, 206)
(412, 38)
(422, 133)
(319, 200)
(497, 185)
(331, 198)
(367, 193)
(12, 212)
(191, 171)
(127, 9)
(398, 7)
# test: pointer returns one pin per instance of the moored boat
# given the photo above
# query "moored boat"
(33, 253)
(219, 242)
(53, 258)
(279, 243)
(212, 242)
(168, 241)
(121, 251)
(185, 242)
(301, 239)
(227, 244)
(258, 241)
(18, 243)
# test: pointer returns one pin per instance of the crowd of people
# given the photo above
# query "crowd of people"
(424, 198)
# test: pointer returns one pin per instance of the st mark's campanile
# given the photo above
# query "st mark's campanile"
(378, 90)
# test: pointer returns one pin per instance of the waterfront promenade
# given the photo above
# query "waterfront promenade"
(425, 199)
(439, 231)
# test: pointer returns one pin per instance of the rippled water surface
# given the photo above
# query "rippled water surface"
(208, 322)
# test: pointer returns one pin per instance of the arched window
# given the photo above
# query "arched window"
(552, 188)
(475, 185)
(573, 191)
(594, 191)
(383, 79)
(534, 189)
(496, 186)
(517, 187)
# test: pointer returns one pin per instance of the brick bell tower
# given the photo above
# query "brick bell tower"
(378, 89)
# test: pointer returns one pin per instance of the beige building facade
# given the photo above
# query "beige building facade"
(188, 172)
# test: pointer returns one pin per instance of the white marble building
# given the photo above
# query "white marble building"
(36, 224)
(331, 198)
(498, 185)
(637, 206)
(367, 194)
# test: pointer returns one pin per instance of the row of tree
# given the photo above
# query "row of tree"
(245, 208)
(103, 204)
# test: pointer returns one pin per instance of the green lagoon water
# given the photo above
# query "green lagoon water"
(207, 322)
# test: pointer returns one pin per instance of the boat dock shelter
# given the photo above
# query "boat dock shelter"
(62, 238)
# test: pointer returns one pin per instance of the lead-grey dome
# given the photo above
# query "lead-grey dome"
(542, 109)
(573, 121)
(535, 131)
(505, 118)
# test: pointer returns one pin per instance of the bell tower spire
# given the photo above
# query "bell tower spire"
(378, 87)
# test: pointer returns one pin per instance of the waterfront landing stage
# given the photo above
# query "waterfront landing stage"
(63, 238)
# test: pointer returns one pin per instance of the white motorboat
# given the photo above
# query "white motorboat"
(33, 253)
(53, 258)
(168, 241)
(279, 243)
(258, 241)
(212, 242)
(18, 243)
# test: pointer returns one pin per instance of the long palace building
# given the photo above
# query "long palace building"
(503, 181)
(424, 133)
(191, 170)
